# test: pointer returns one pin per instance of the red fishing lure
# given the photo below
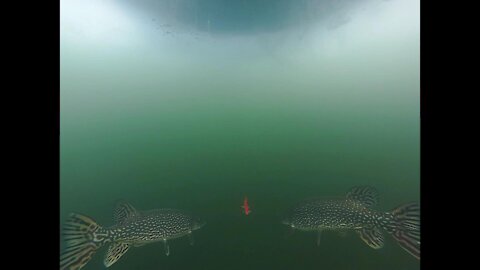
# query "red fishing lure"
(245, 206)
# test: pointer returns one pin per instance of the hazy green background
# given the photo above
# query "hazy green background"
(278, 107)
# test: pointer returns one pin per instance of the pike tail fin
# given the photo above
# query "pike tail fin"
(83, 237)
(407, 228)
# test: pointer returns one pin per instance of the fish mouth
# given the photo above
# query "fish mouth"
(286, 221)
(198, 223)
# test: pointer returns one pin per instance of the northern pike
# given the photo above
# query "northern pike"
(84, 236)
(354, 212)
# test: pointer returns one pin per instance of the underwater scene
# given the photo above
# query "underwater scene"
(239, 134)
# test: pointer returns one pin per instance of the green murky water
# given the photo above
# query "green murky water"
(196, 104)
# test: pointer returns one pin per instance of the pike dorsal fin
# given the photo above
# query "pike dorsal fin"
(123, 211)
(366, 195)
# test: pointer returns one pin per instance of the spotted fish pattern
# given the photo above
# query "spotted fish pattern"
(354, 212)
(131, 228)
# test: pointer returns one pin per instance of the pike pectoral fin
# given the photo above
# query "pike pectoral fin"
(372, 237)
(289, 233)
(319, 235)
(342, 234)
(167, 248)
(192, 240)
(115, 251)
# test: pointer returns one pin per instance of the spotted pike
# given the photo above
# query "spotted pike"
(354, 212)
(84, 236)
